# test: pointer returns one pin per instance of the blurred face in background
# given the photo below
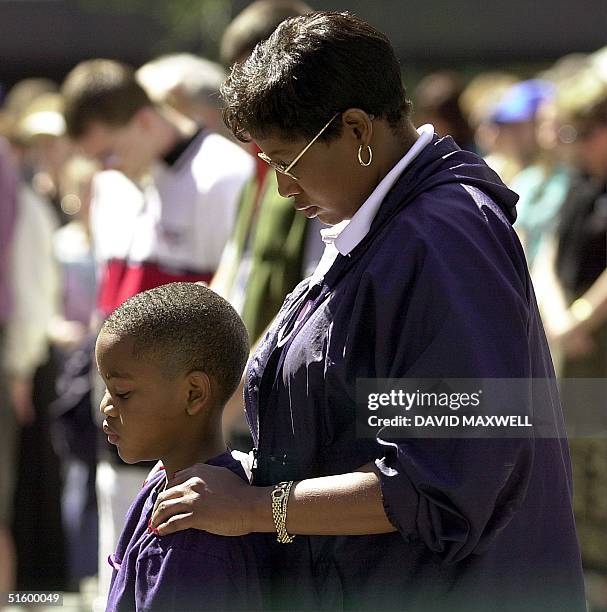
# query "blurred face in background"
(590, 149)
(75, 187)
(518, 141)
(547, 127)
(208, 115)
(126, 147)
(554, 135)
(49, 154)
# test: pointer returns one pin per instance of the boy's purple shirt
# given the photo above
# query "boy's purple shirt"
(187, 570)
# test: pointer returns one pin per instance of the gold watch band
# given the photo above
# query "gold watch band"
(280, 499)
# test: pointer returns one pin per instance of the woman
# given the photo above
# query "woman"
(426, 280)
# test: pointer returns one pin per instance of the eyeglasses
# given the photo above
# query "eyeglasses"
(286, 168)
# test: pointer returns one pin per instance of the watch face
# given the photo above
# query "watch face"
(279, 490)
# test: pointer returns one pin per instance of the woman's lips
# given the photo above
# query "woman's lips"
(308, 210)
(112, 436)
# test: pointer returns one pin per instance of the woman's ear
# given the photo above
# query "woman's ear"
(359, 124)
(198, 392)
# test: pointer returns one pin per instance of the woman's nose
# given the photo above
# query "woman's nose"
(106, 406)
(287, 187)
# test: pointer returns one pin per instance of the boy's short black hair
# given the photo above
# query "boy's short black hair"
(311, 68)
(101, 90)
(185, 327)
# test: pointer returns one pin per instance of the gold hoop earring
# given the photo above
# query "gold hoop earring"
(360, 159)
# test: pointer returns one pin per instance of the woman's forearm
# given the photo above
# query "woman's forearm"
(214, 499)
(347, 504)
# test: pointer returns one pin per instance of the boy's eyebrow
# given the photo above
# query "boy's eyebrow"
(114, 374)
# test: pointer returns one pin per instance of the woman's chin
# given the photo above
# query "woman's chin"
(327, 217)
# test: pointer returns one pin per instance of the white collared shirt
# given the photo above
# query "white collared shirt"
(344, 237)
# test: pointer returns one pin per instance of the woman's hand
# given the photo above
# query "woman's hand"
(208, 498)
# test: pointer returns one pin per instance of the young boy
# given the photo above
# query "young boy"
(170, 358)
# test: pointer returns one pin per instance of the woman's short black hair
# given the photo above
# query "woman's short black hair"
(311, 68)
(185, 327)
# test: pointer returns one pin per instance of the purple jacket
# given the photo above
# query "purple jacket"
(188, 570)
(439, 288)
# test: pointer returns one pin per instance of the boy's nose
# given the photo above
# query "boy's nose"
(106, 406)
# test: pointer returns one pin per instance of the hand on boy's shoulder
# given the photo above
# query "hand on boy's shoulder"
(211, 498)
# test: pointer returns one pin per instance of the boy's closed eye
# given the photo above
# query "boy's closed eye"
(124, 395)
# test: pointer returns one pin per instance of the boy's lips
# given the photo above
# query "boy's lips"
(112, 436)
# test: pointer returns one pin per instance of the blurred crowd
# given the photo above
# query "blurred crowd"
(118, 180)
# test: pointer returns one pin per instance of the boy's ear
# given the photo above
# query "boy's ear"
(199, 392)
